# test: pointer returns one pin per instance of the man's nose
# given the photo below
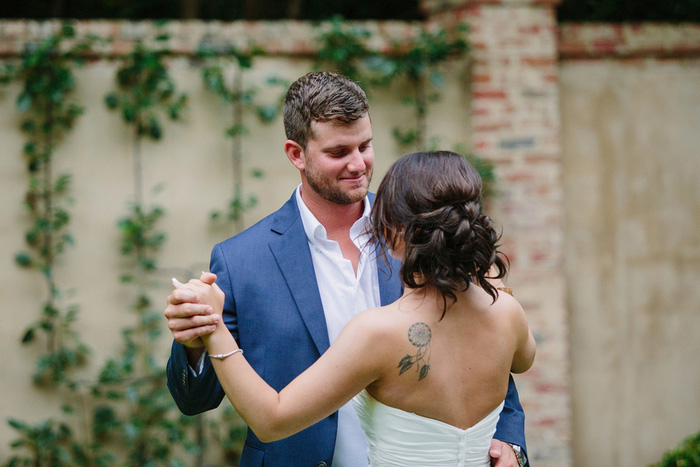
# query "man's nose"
(357, 162)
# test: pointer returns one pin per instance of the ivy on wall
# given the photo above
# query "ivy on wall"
(418, 61)
(240, 98)
(149, 427)
(127, 412)
(48, 112)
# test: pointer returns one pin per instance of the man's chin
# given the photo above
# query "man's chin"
(349, 197)
(358, 194)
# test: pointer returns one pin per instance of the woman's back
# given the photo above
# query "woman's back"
(454, 369)
(438, 398)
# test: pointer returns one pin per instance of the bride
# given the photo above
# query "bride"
(427, 374)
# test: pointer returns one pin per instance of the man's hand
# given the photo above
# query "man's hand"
(188, 319)
(502, 455)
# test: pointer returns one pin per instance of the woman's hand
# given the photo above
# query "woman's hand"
(206, 290)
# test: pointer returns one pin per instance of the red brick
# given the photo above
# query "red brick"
(490, 95)
(539, 61)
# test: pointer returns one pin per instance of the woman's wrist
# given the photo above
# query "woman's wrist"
(220, 341)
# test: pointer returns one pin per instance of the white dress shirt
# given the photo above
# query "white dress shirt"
(343, 294)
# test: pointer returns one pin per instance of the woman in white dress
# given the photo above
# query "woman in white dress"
(427, 374)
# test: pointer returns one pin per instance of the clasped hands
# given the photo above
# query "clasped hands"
(194, 310)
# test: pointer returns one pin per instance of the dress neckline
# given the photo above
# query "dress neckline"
(495, 411)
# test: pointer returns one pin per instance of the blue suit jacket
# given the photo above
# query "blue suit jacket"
(273, 309)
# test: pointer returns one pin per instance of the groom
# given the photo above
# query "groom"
(293, 280)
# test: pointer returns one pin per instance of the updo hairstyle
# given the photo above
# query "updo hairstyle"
(432, 202)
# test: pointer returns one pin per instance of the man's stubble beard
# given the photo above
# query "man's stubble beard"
(333, 192)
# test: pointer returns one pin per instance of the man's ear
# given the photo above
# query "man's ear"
(295, 153)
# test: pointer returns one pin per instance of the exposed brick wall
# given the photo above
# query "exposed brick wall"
(577, 41)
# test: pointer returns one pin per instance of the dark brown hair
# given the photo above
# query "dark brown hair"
(320, 97)
(432, 201)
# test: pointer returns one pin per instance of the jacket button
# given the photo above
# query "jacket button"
(321, 464)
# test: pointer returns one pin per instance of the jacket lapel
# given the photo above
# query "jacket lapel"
(291, 251)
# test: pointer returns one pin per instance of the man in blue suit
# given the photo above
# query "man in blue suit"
(293, 280)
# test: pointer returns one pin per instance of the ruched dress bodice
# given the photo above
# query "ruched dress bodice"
(396, 438)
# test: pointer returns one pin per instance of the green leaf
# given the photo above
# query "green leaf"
(28, 336)
(67, 30)
(112, 100)
(237, 130)
(29, 149)
(437, 79)
(267, 113)
(23, 259)
(24, 102)
(28, 125)
(17, 424)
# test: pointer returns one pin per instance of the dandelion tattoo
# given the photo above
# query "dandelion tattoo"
(419, 335)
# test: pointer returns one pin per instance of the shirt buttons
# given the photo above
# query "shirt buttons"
(321, 464)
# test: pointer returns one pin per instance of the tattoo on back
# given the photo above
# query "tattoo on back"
(419, 335)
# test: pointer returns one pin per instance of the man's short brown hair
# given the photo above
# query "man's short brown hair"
(320, 97)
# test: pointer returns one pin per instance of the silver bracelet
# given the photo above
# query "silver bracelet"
(221, 356)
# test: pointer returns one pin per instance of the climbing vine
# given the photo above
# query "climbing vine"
(344, 47)
(149, 426)
(240, 98)
(229, 431)
(418, 61)
(48, 112)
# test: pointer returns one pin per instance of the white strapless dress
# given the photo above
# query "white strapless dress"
(396, 438)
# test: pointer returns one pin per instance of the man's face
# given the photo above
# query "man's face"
(339, 160)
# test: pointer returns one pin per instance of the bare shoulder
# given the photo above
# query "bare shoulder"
(506, 309)
(512, 315)
(368, 341)
(375, 322)
(508, 303)
(375, 329)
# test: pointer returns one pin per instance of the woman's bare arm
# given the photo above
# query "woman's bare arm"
(344, 370)
(525, 349)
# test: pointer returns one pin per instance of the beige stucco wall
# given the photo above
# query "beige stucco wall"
(625, 164)
(192, 166)
(631, 165)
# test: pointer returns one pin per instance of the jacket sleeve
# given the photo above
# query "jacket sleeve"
(511, 425)
(192, 394)
(196, 394)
